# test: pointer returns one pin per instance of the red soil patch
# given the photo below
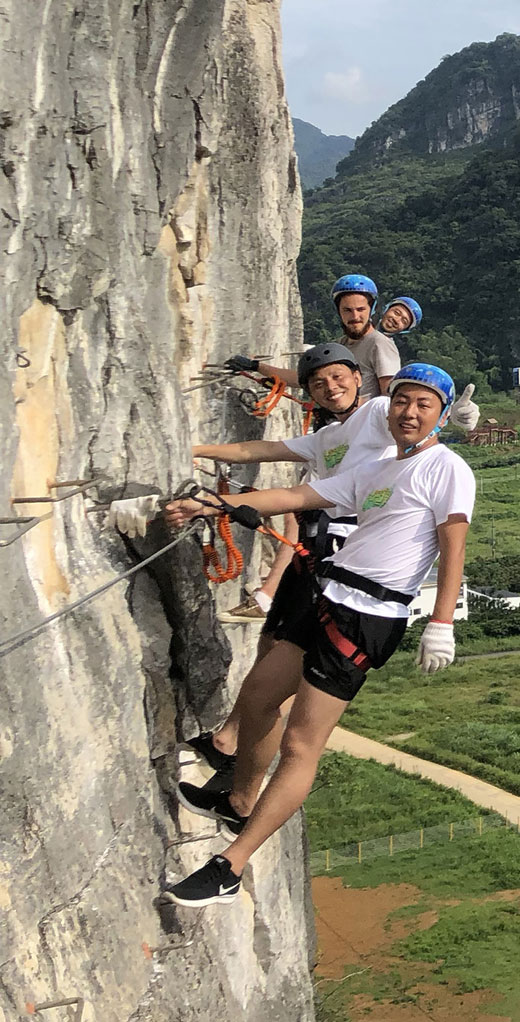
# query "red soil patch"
(353, 929)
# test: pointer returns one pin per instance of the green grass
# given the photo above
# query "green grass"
(467, 717)
(355, 800)
(495, 530)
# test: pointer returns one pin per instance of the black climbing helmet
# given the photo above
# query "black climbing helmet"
(323, 355)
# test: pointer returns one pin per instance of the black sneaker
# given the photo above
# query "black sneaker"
(222, 780)
(214, 805)
(214, 882)
(202, 746)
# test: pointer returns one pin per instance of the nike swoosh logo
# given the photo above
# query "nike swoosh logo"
(226, 890)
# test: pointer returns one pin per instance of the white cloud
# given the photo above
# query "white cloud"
(347, 86)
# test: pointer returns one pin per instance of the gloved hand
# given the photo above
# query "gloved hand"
(437, 647)
(239, 363)
(131, 516)
(465, 413)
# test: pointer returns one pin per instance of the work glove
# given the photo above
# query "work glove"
(437, 647)
(465, 413)
(131, 516)
(240, 363)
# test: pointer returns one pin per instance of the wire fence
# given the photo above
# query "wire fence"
(332, 859)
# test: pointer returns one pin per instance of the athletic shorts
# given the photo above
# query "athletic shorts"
(341, 644)
(288, 613)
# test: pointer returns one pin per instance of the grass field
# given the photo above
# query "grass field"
(456, 929)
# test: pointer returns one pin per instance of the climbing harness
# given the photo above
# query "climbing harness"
(243, 514)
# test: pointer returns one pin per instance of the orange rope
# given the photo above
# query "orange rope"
(297, 547)
(265, 404)
(211, 559)
(307, 418)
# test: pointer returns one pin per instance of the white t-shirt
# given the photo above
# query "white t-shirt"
(341, 446)
(399, 505)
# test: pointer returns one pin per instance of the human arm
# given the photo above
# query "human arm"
(266, 502)
(289, 376)
(383, 382)
(437, 646)
(247, 452)
(241, 364)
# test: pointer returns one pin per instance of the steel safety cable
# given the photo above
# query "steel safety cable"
(15, 641)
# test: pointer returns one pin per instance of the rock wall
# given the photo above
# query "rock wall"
(150, 221)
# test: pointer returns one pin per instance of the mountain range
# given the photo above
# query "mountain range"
(318, 153)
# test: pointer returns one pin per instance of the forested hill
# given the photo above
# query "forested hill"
(472, 96)
(318, 153)
(443, 227)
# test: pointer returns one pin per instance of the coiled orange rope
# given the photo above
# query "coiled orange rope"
(211, 559)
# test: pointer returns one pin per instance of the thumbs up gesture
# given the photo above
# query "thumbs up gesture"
(465, 413)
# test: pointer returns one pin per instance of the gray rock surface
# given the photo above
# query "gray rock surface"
(150, 221)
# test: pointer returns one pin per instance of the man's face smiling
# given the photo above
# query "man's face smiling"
(395, 319)
(334, 387)
(354, 311)
(414, 411)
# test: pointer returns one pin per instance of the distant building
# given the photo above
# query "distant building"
(490, 433)
(424, 603)
(489, 593)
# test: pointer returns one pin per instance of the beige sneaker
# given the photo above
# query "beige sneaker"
(247, 612)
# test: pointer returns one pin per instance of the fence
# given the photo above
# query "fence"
(413, 840)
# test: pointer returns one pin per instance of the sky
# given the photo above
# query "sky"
(346, 63)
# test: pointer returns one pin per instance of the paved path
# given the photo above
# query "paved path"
(480, 792)
(488, 656)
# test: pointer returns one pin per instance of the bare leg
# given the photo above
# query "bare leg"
(226, 738)
(266, 688)
(283, 558)
(312, 719)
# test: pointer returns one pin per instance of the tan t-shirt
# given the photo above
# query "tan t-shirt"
(376, 355)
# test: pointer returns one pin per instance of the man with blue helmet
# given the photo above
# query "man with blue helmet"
(410, 509)
(400, 316)
(355, 298)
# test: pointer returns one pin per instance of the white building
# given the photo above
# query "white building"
(512, 600)
(424, 603)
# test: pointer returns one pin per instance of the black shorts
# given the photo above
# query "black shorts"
(288, 613)
(342, 644)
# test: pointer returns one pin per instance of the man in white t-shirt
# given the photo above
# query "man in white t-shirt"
(409, 509)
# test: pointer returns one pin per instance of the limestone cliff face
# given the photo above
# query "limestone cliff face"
(150, 221)
(473, 97)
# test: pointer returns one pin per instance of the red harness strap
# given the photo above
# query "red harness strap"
(345, 646)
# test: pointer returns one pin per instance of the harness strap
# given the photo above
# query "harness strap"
(346, 647)
(349, 578)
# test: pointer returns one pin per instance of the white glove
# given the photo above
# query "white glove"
(132, 516)
(465, 413)
(436, 648)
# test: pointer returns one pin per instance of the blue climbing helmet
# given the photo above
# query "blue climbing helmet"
(413, 308)
(355, 283)
(427, 376)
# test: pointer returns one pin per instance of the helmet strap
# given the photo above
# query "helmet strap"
(433, 432)
(351, 407)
